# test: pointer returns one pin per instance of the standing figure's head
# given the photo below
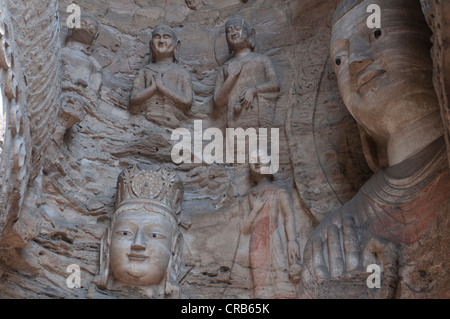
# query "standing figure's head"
(142, 247)
(88, 31)
(385, 74)
(192, 4)
(259, 164)
(239, 34)
(164, 44)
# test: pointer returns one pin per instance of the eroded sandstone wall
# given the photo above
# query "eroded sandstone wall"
(321, 158)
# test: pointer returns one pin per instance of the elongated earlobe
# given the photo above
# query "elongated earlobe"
(173, 269)
(177, 50)
(103, 274)
(253, 39)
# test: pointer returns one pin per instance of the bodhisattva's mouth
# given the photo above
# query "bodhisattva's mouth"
(368, 79)
(137, 257)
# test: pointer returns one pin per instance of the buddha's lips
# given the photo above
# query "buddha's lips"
(368, 77)
(137, 257)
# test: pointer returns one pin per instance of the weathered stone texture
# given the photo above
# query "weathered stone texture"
(76, 142)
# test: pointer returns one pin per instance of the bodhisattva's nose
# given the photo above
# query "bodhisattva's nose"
(359, 55)
(139, 241)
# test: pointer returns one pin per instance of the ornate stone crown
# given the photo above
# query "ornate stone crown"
(161, 188)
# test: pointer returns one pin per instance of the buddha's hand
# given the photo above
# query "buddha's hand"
(293, 252)
(159, 82)
(348, 262)
(247, 97)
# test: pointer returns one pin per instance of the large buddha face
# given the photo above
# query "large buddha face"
(141, 247)
(384, 75)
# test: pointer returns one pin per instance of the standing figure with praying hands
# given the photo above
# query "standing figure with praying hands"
(162, 90)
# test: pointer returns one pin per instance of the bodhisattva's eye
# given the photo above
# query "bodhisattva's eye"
(156, 236)
(125, 233)
(377, 33)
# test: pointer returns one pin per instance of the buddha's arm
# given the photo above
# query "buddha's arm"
(224, 88)
(289, 224)
(272, 85)
(181, 98)
(140, 93)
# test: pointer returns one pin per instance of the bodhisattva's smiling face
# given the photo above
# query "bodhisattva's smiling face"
(237, 35)
(141, 248)
(163, 43)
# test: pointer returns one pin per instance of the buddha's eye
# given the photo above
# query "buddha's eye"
(125, 233)
(338, 61)
(156, 236)
(377, 33)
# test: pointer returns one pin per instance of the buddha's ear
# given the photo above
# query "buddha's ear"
(177, 50)
(173, 269)
(376, 155)
(102, 277)
(151, 52)
(252, 38)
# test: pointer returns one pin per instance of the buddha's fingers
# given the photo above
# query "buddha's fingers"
(335, 258)
(319, 265)
(351, 247)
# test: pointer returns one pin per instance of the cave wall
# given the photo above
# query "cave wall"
(72, 184)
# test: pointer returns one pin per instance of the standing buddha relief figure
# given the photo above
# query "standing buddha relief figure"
(246, 85)
(82, 73)
(162, 90)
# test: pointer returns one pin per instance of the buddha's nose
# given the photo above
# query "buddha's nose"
(139, 242)
(359, 56)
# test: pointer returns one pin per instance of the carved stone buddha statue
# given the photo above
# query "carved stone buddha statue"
(142, 247)
(246, 85)
(162, 90)
(399, 219)
(82, 73)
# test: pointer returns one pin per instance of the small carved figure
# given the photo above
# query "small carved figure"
(81, 71)
(274, 251)
(162, 90)
(143, 246)
(246, 85)
(193, 4)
